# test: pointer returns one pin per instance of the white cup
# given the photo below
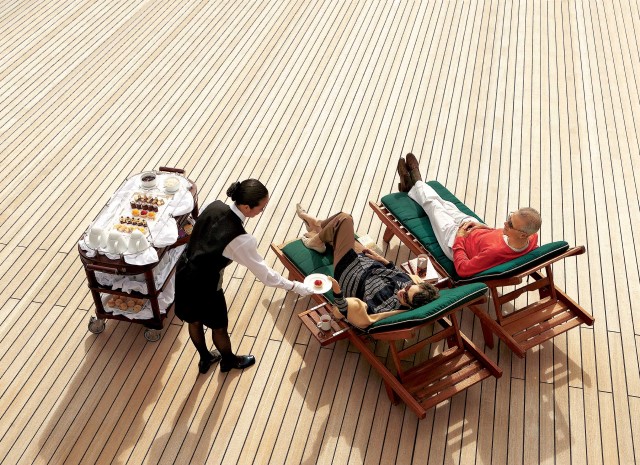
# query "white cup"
(116, 243)
(97, 238)
(137, 242)
(325, 323)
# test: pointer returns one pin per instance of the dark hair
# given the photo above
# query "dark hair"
(427, 293)
(248, 192)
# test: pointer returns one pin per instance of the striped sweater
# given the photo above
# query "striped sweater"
(373, 283)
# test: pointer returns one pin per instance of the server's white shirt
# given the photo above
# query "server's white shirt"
(244, 250)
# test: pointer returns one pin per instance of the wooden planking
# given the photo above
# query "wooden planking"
(498, 100)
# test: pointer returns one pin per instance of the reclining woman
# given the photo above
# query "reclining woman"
(362, 273)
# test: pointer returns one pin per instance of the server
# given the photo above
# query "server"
(219, 238)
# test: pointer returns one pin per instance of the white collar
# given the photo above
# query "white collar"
(235, 210)
(506, 241)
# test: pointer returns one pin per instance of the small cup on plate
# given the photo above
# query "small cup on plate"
(325, 323)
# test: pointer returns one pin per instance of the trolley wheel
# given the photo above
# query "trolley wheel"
(96, 325)
(152, 335)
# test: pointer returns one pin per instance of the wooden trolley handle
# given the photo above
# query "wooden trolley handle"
(171, 170)
(104, 269)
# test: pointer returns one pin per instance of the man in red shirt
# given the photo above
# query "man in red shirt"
(473, 246)
(477, 247)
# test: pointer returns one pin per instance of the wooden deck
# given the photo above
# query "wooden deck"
(507, 103)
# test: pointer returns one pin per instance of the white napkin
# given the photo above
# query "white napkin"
(83, 245)
(182, 201)
(142, 258)
(93, 252)
(164, 232)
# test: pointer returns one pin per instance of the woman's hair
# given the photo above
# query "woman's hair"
(427, 293)
(248, 192)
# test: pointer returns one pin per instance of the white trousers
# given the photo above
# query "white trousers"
(444, 216)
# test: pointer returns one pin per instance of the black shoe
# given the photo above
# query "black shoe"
(240, 363)
(204, 365)
(414, 169)
(405, 177)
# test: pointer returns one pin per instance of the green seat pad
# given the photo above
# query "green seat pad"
(412, 216)
(309, 261)
(449, 299)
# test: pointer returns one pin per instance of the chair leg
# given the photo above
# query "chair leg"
(488, 335)
(393, 397)
(388, 235)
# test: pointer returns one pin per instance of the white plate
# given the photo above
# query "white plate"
(326, 283)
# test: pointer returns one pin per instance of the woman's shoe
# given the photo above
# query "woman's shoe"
(241, 362)
(204, 365)
(318, 248)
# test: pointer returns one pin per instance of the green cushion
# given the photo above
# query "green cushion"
(517, 265)
(412, 216)
(309, 261)
(449, 299)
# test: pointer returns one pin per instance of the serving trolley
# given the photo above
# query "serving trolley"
(118, 267)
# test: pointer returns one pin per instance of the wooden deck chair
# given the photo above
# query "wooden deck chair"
(459, 365)
(521, 329)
